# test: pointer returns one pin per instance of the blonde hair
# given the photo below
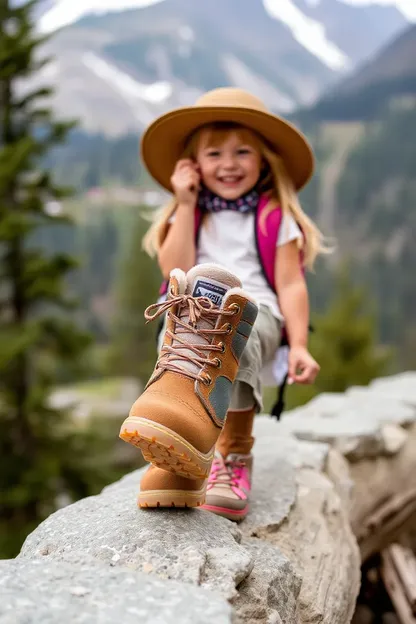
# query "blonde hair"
(274, 182)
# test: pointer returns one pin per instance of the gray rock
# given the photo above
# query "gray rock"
(191, 546)
(261, 577)
(47, 592)
(325, 404)
(274, 480)
(360, 424)
(351, 434)
(382, 408)
(360, 401)
(273, 439)
(272, 590)
(401, 386)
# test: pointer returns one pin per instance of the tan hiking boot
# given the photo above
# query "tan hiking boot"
(159, 488)
(178, 418)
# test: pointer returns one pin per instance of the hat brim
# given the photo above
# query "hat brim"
(164, 141)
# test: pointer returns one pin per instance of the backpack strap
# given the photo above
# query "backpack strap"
(279, 405)
(266, 238)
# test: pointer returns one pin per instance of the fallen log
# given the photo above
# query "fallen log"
(404, 562)
(396, 588)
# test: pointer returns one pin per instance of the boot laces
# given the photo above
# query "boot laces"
(186, 312)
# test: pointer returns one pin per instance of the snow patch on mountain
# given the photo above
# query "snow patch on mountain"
(309, 33)
(65, 12)
(155, 93)
(141, 98)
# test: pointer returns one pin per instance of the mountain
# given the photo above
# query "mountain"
(390, 77)
(117, 70)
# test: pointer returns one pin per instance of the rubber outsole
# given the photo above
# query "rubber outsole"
(230, 514)
(166, 449)
(152, 499)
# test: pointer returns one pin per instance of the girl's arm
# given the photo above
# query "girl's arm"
(294, 304)
(178, 249)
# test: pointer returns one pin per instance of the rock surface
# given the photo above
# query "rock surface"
(375, 429)
(48, 592)
(257, 566)
(324, 479)
(360, 424)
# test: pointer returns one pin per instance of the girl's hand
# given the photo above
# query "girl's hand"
(303, 369)
(185, 182)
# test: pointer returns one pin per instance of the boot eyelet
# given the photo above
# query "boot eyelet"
(222, 346)
(217, 362)
(207, 380)
(228, 328)
(235, 308)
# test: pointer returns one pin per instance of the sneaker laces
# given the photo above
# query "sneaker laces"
(226, 472)
(190, 311)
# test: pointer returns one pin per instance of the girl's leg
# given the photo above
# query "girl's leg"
(236, 437)
(229, 483)
(246, 400)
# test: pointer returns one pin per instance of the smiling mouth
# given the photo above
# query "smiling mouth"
(230, 179)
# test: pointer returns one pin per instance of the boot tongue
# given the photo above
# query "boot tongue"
(212, 282)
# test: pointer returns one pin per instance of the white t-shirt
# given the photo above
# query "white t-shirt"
(228, 238)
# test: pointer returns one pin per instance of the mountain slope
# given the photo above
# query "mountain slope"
(359, 31)
(116, 71)
(396, 60)
(381, 81)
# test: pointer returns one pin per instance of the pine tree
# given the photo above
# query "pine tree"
(41, 457)
(344, 342)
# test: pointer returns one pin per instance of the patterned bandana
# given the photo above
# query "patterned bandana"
(209, 202)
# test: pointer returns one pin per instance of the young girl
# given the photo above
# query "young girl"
(234, 169)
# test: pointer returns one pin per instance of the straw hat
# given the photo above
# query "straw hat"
(164, 141)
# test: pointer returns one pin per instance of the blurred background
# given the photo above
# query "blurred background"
(74, 282)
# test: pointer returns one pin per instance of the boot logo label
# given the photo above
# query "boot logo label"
(210, 289)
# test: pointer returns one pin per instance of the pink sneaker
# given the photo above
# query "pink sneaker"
(229, 486)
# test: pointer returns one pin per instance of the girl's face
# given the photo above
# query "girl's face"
(229, 162)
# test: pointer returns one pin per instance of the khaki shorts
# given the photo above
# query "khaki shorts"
(260, 350)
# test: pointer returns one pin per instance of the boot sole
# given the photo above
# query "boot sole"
(237, 515)
(171, 498)
(166, 449)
